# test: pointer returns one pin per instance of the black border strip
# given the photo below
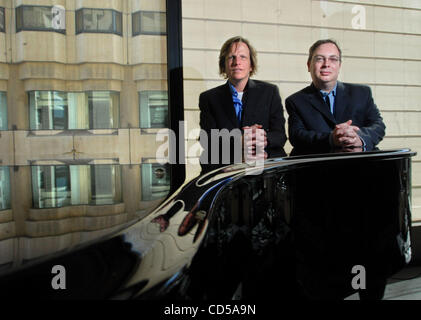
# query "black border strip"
(175, 90)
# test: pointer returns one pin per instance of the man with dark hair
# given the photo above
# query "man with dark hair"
(241, 105)
(332, 115)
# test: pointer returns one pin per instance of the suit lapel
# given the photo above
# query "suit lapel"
(319, 104)
(228, 105)
(251, 99)
(341, 104)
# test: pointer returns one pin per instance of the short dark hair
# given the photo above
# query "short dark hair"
(317, 44)
(225, 50)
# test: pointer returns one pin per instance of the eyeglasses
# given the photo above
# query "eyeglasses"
(322, 59)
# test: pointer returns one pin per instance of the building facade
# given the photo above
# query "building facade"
(83, 93)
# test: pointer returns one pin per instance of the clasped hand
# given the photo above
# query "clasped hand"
(345, 135)
(254, 142)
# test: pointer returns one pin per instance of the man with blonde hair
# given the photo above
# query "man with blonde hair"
(244, 104)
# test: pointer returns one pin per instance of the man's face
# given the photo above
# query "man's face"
(237, 62)
(324, 66)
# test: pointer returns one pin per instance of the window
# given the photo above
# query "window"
(41, 18)
(103, 109)
(153, 109)
(52, 110)
(149, 22)
(3, 111)
(2, 20)
(155, 181)
(48, 110)
(4, 188)
(51, 186)
(105, 184)
(99, 20)
(63, 185)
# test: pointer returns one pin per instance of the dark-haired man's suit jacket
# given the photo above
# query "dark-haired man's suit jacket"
(261, 105)
(310, 121)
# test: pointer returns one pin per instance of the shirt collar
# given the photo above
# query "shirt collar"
(233, 90)
(333, 92)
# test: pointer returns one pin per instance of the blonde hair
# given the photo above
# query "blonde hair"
(226, 49)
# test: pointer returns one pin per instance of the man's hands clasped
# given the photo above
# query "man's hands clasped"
(345, 136)
(254, 143)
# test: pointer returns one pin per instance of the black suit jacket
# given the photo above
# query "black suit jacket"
(310, 121)
(261, 105)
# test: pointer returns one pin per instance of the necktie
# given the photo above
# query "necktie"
(327, 100)
(238, 105)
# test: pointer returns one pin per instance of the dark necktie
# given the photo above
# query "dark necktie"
(238, 105)
(327, 100)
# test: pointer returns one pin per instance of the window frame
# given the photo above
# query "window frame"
(148, 111)
(136, 33)
(19, 19)
(89, 121)
(30, 111)
(146, 181)
(56, 199)
(98, 199)
(114, 22)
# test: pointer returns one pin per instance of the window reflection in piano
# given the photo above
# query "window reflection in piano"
(246, 233)
(259, 206)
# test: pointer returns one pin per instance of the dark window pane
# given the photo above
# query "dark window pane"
(51, 186)
(60, 115)
(2, 20)
(4, 188)
(153, 109)
(105, 184)
(98, 20)
(103, 109)
(79, 21)
(148, 22)
(3, 111)
(155, 181)
(118, 22)
(135, 23)
(48, 110)
(41, 18)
